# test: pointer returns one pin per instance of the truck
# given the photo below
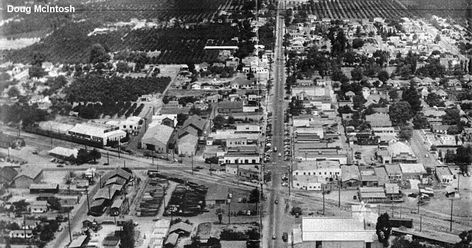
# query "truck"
(285, 237)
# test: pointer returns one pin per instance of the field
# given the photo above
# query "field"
(355, 9)
(178, 31)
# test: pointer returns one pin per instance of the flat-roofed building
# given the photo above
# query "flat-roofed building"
(97, 132)
(337, 232)
(372, 194)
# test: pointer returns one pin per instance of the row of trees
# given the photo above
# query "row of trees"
(95, 88)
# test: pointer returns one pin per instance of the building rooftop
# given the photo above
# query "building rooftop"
(335, 229)
(159, 133)
(443, 171)
(393, 169)
(398, 148)
(412, 168)
(350, 172)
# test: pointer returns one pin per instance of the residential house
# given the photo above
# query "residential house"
(444, 174)
(182, 228)
(28, 176)
(157, 138)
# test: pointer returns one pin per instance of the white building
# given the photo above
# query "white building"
(338, 232)
(327, 170)
(97, 132)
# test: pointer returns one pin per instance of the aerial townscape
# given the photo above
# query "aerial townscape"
(236, 124)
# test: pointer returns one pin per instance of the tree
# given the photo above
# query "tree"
(383, 76)
(406, 133)
(400, 113)
(297, 211)
(358, 102)
(434, 100)
(13, 92)
(122, 67)
(411, 96)
(357, 43)
(393, 94)
(98, 54)
(254, 196)
(95, 154)
(181, 118)
(356, 74)
(420, 121)
(464, 158)
(20, 206)
(36, 71)
(54, 203)
(452, 117)
(383, 229)
(466, 239)
(83, 156)
(47, 234)
(219, 121)
(127, 235)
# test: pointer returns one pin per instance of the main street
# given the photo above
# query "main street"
(276, 210)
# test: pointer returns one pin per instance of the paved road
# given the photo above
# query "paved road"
(276, 211)
(420, 150)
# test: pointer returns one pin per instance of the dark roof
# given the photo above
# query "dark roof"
(7, 174)
(181, 226)
(230, 105)
(187, 130)
(196, 122)
(118, 172)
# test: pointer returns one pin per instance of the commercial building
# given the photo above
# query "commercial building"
(337, 232)
(97, 132)
(157, 138)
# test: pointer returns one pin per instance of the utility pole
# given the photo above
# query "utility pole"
(324, 201)
(452, 207)
(192, 165)
(339, 193)
(108, 158)
(152, 157)
(421, 222)
(70, 232)
(88, 201)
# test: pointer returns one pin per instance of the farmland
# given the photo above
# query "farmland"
(355, 9)
(170, 30)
